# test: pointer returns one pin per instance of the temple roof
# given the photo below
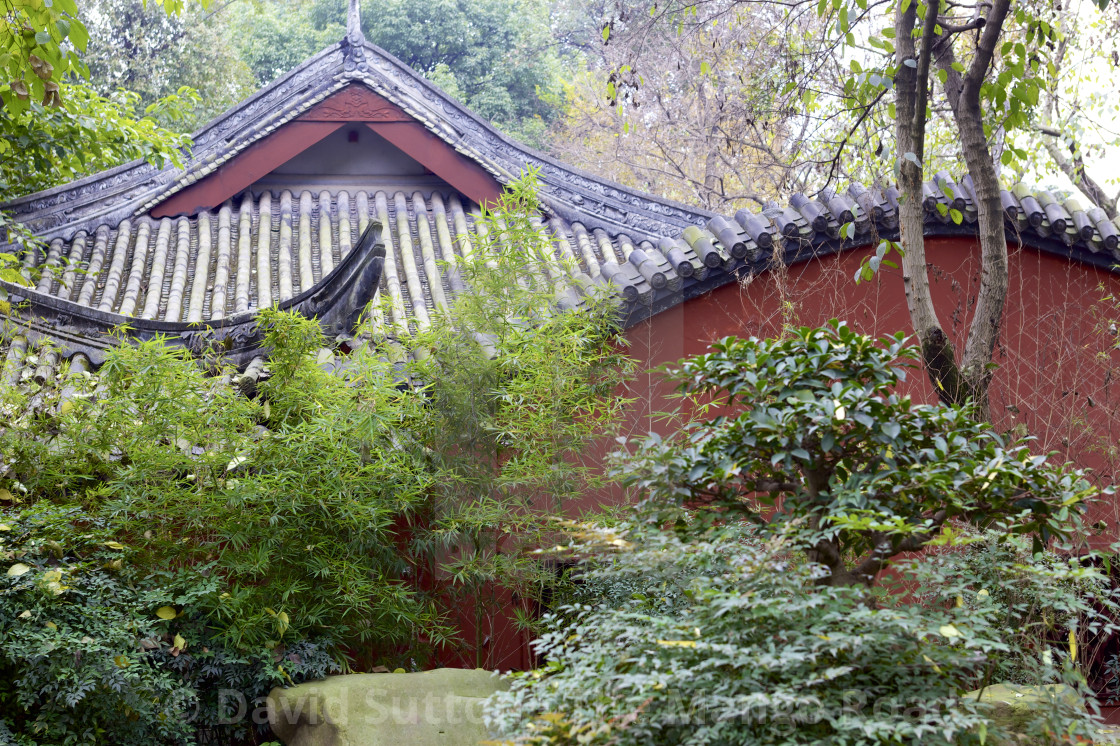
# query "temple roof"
(245, 224)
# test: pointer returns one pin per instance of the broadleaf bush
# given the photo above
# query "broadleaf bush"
(817, 559)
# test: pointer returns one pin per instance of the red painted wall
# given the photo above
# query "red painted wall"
(1058, 364)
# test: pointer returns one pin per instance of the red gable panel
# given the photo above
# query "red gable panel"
(353, 104)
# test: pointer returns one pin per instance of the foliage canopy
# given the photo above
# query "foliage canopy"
(810, 434)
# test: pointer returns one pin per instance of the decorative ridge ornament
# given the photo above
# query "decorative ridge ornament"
(354, 43)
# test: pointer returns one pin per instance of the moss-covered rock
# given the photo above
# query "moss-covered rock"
(1015, 707)
(433, 708)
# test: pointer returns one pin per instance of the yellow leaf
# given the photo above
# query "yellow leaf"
(930, 661)
(121, 661)
(1072, 646)
(948, 630)
(5, 527)
(6, 497)
(179, 643)
(51, 625)
(66, 407)
(52, 577)
(18, 569)
(398, 670)
(677, 643)
(982, 593)
(167, 613)
(26, 614)
(960, 601)
(114, 545)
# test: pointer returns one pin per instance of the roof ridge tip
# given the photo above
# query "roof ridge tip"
(354, 33)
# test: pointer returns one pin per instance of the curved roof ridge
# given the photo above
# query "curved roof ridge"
(131, 189)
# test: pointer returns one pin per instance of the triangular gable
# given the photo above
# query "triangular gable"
(354, 104)
(468, 153)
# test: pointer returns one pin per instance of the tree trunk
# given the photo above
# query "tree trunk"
(911, 84)
(964, 98)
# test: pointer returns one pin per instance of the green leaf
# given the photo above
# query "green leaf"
(79, 36)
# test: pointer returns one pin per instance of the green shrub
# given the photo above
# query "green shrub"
(96, 649)
(753, 651)
(340, 511)
(1051, 611)
(746, 602)
(808, 434)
